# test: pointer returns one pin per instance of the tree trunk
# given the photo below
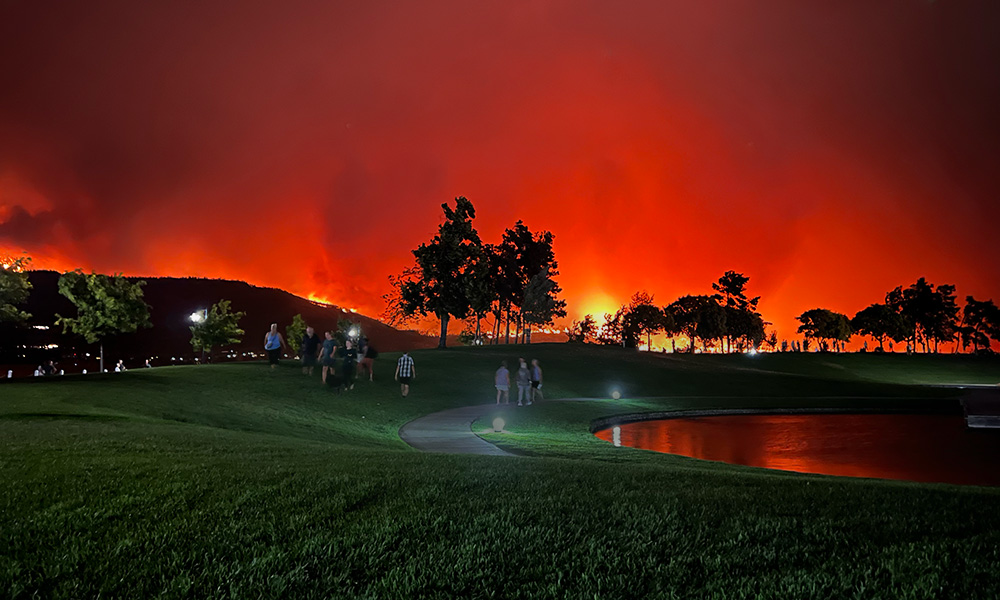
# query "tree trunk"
(497, 321)
(443, 342)
(527, 334)
(506, 337)
(102, 358)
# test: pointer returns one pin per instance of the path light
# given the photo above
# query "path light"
(498, 425)
(198, 316)
(353, 332)
(616, 394)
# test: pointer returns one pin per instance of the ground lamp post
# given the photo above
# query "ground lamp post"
(198, 317)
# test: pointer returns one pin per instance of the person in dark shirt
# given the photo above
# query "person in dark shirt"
(350, 356)
(310, 350)
(328, 352)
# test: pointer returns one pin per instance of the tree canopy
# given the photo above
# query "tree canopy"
(440, 282)
(14, 288)
(881, 322)
(823, 324)
(219, 326)
(106, 305)
(930, 313)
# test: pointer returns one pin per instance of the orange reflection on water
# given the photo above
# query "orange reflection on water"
(930, 448)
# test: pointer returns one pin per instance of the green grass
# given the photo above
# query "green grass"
(235, 481)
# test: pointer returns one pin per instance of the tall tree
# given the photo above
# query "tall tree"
(106, 305)
(583, 330)
(541, 304)
(731, 291)
(482, 287)
(219, 326)
(743, 326)
(980, 323)
(646, 318)
(439, 283)
(14, 288)
(698, 316)
(930, 313)
(741, 312)
(823, 324)
(520, 256)
(881, 322)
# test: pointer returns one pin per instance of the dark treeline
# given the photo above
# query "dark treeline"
(727, 319)
(922, 315)
(508, 285)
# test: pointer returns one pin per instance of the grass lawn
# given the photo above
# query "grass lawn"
(238, 481)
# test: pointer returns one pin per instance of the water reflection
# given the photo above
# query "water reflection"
(930, 448)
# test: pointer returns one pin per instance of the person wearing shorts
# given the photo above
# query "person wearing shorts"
(502, 382)
(405, 372)
(273, 343)
(367, 355)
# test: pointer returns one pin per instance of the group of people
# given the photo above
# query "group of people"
(340, 365)
(529, 383)
(353, 360)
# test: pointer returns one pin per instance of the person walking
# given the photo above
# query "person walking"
(405, 372)
(350, 356)
(523, 383)
(273, 342)
(310, 350)
(367, 355)
(536, 381)
(502, 382)
(327, 351)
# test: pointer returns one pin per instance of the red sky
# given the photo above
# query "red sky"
(830, 151)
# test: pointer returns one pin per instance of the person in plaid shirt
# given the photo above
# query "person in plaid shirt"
(405, 372)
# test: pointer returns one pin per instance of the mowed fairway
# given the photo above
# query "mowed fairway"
(236, 481)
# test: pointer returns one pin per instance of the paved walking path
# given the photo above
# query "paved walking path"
(450, 432)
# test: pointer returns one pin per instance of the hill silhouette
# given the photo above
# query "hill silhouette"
(172, 300)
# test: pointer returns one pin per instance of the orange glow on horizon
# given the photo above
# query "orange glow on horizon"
(662, 143)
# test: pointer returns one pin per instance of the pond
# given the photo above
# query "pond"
(927, 448)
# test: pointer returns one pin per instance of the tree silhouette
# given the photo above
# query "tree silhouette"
(541, 304)
(698, 316)
(583, 330)
(881, 322)
(520, 256)
(439, 283)
(930, 314)
(980, 323)
(822, 324)
(742, 320)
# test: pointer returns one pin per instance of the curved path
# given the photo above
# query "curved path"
(450, 432)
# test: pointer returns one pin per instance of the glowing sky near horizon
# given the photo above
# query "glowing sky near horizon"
(830, 151)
